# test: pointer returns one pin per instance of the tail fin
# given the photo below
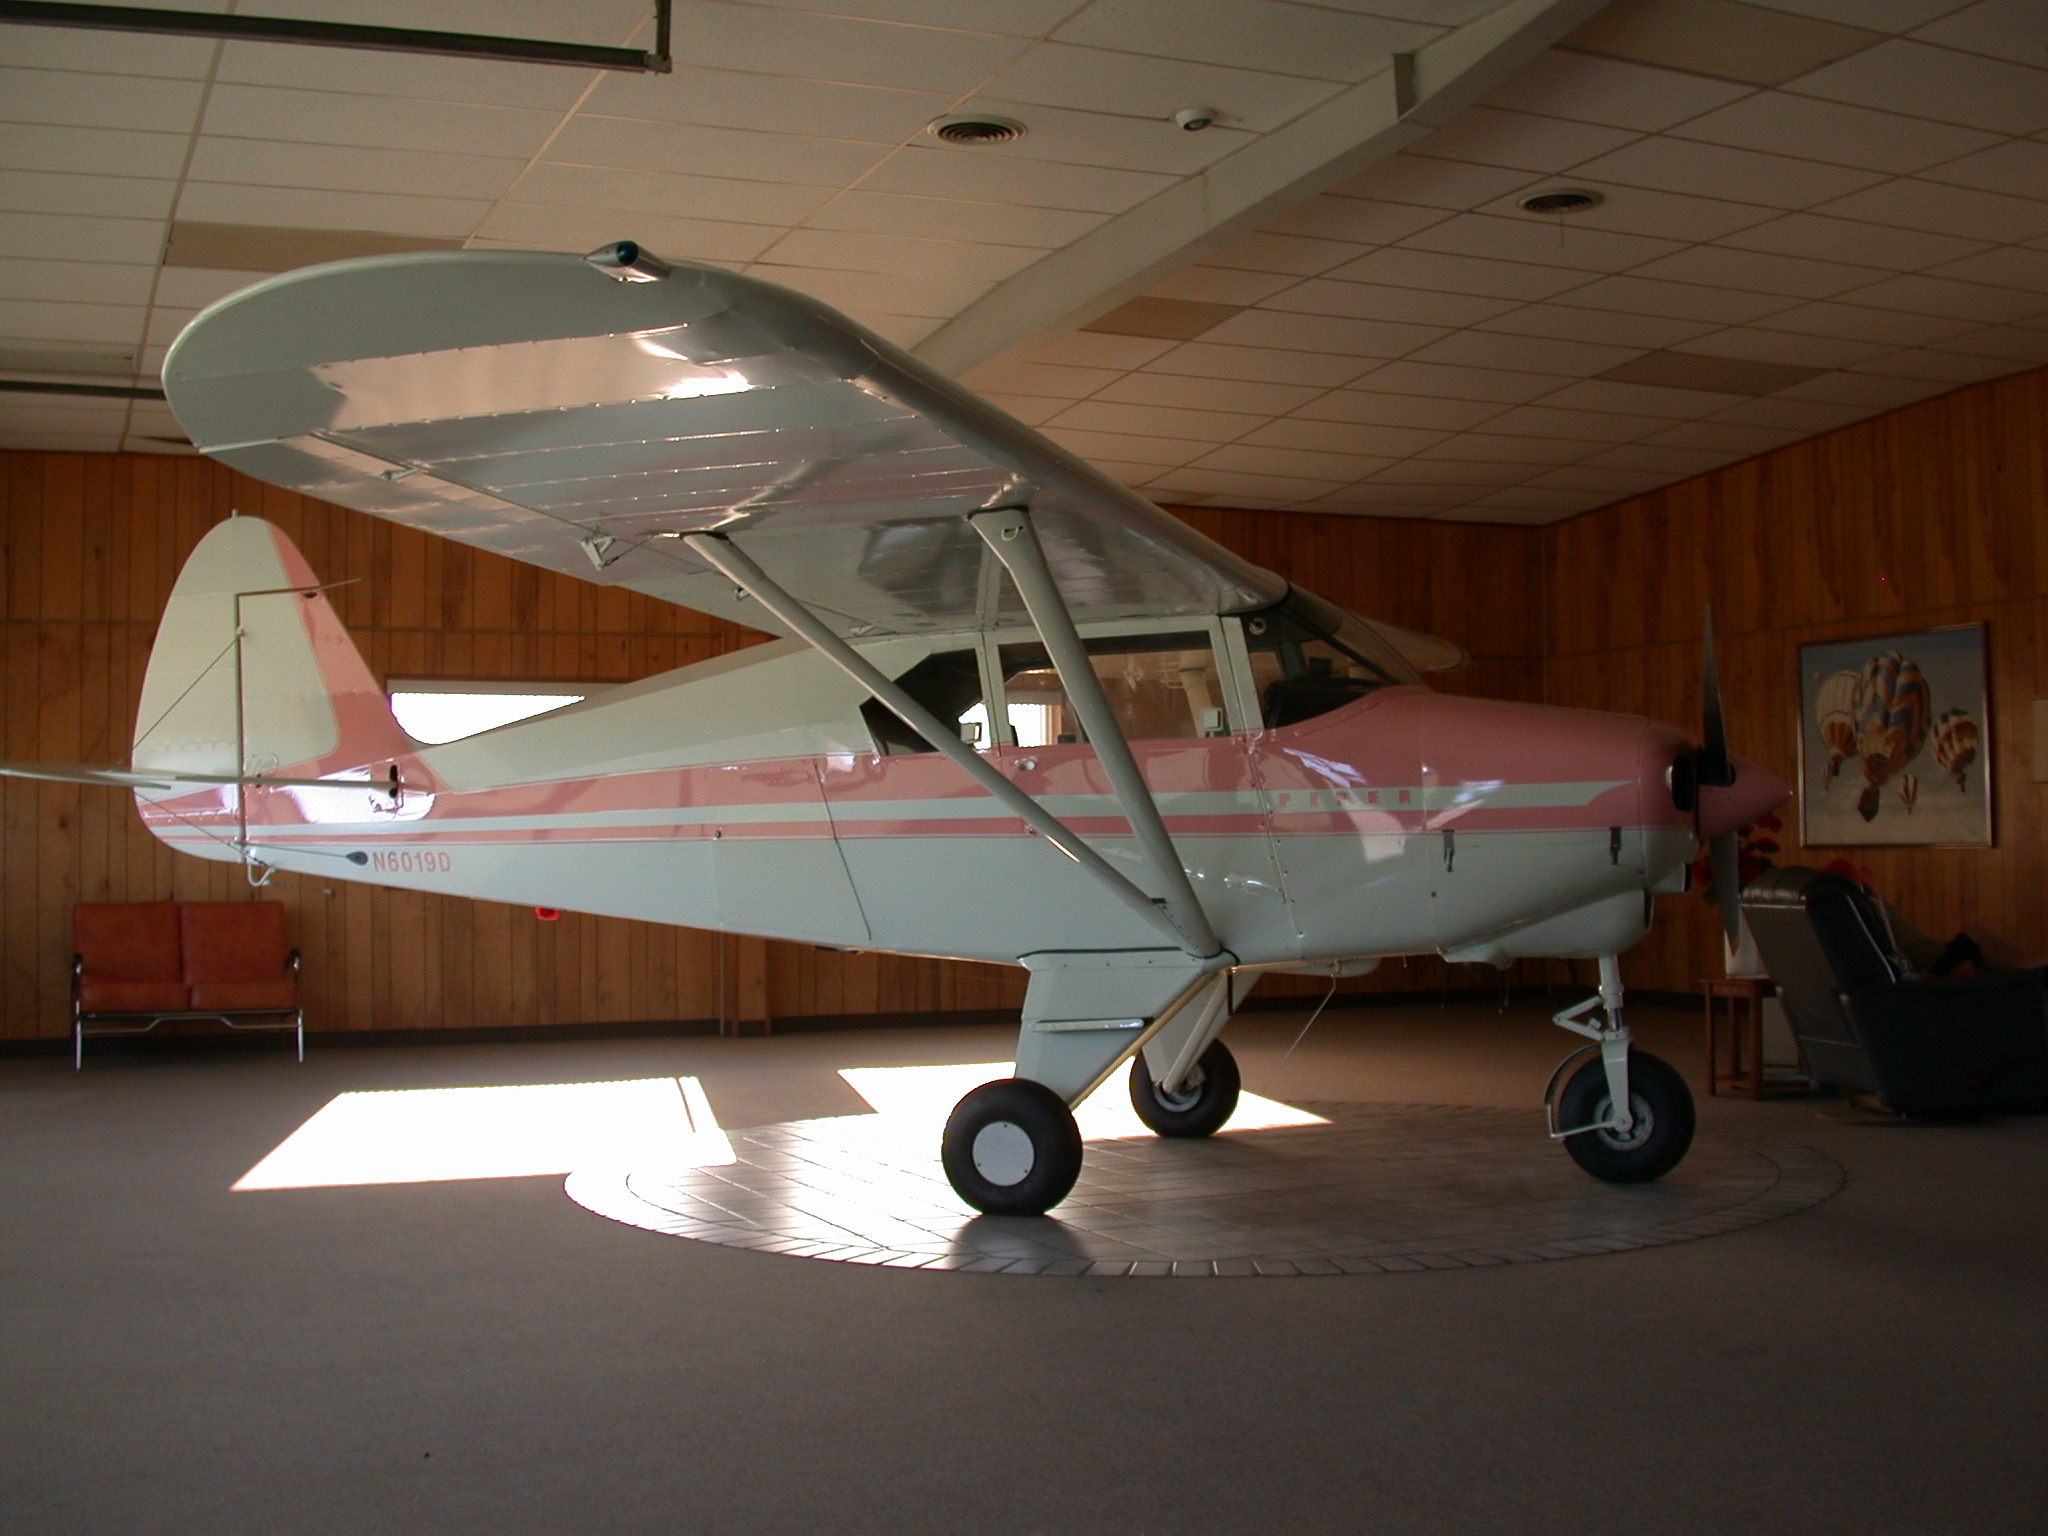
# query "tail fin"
(308, 704)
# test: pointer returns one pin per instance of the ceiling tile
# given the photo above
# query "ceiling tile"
(1695, 368)
(1158, 421)
(38, 234)
(1824, 239)
(585, 229)
(1832, 131)
(1916, 204)
(98, 101)
(1884, 15)
(890, 293)
(408, 76)
(725, 98)
(1863, 389)
(1671, 461)
(1164, 318)
(104, 196)
(1758, 271)
(1049, 379)
(1461, 478)
(1608, 482)
(1126, 448)
(1017, 18)
(2010, 267)
(1679, 301)
(1544, 242)
(1644, 210)
(1202, 359)
(1641, 399)
(413, 173)
(75, 282)
(937, 218)
(1540, 499)
(1864, 324)
(1715, 37)
(1251, 459)
(621, 144)
(1248, 34)
(1322, 333)
(112, 53)
(1460, 274)
(2019, 167)
(768, 40)
(1434, 183)
(905, 331)
(1412, 378)
(1489, 447)
(1519, 141)
(1805, 416)
(1937, 83)
(1095, 79)
(1374, 301)
(1510, 515)
(1371, 408)
(86, 151)
(2016, 342)
(1527, 354)
(1612, 92)
(42, 320)
(1200, 394)
(1950, 367)
(1922, 294)
(1221, 285)
(305, 208)
(1740, 175)
(1101, 138)
(382, 122)
(1726, 437)
(1224, 482)
(1098, 349)
(1386, 443)
(1585, 426)
(1032, 410)
(1797, 349)
(1568, 324)
(196, 287)
(965, 174)
(840, 249)
(1362, 220)
(2002, 29)
(1286, 253)
(687, 197)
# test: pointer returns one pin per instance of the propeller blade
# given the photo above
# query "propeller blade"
(1727, 865)
(1716, 767)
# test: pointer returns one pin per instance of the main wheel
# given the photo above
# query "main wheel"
(1205, 1101)
(1011, 1148)
(1650, 1148)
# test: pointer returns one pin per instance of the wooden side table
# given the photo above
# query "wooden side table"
(1735, 1033)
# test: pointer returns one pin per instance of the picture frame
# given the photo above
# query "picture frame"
(1895, 741)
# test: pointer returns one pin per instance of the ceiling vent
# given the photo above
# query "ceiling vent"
(976, 130)
(1563, 200)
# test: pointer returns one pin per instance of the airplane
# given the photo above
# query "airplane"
(1016, 713)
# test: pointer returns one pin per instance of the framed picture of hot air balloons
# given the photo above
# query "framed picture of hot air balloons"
(1894, 744)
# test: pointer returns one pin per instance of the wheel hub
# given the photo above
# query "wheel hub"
(1644, 1124)
(1003, 1153)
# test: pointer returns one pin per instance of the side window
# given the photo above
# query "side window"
(949, 685)
(1300, 674)
(1160, 687)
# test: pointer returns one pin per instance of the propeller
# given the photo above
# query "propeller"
(1714, 768)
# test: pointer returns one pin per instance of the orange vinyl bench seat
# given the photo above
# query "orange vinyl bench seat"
(138, 964)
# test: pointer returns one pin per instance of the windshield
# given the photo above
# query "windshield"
(1310, 657)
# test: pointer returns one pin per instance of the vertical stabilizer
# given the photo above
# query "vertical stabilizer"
(307, 703)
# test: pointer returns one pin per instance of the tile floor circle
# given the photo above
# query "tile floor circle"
(1374, 1189)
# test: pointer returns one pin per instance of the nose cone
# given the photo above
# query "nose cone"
(1755, 792)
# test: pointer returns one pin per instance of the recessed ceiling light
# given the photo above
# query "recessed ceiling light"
(976, 130)
(1563, 200)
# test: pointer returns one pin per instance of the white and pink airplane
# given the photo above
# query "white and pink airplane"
(1020, 715)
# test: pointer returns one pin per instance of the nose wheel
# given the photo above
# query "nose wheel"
(1011, 1148)
(1660, 1120)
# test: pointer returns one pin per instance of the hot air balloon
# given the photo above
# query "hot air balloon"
(1892, 714)
(1834, 711)
(1956, 743)
(1909, 791)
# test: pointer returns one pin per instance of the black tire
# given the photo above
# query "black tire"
(1206, 1101)
(1653, 1146)
(1011, 1148)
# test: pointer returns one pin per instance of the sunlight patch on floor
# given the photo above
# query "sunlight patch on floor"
(431, 1135)
(928, 1094)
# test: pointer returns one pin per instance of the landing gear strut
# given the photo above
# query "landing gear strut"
(1625, 1116)
(1205, 1100)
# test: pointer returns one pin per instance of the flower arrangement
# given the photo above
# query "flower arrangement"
(1753, 850)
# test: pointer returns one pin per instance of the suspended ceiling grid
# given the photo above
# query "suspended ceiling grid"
(1812, 210)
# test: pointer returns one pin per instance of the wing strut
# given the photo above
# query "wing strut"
(735, 565)
(1009, 533)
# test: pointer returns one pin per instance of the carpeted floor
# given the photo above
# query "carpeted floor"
(483, 1356)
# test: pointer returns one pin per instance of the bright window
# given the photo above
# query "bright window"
(436, 711)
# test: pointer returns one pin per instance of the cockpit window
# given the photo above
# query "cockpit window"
(1310, 657)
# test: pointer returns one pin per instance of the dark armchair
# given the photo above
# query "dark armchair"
(1918, 1045)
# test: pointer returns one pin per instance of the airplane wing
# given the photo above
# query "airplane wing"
(581, 413)
(537, 405)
